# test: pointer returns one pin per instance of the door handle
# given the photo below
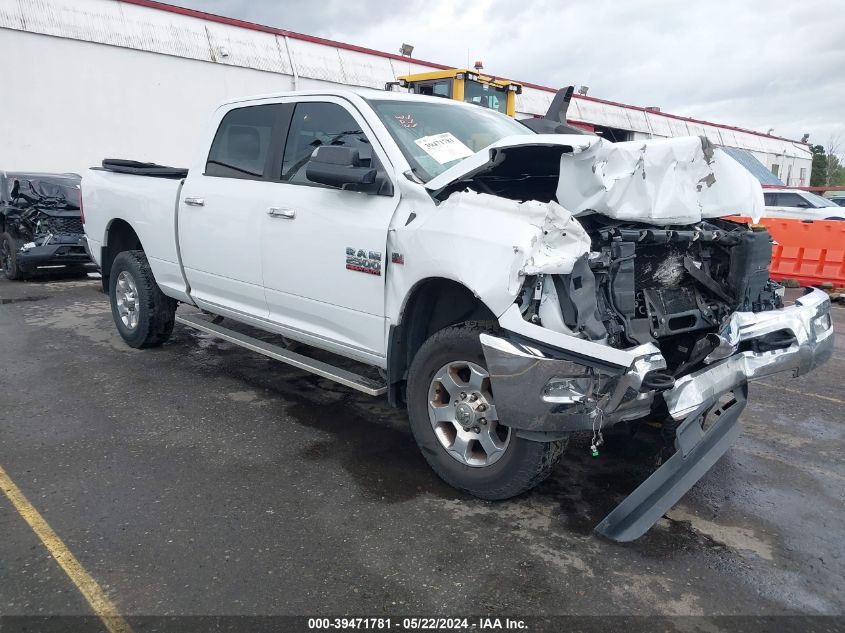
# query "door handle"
(281, 212)
(195, 202)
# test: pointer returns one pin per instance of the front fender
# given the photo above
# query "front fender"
(485, 243)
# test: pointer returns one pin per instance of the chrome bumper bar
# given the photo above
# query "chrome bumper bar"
(553, 386)
(808, 321)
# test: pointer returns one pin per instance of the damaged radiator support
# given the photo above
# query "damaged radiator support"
(640, 287)
(674, 286)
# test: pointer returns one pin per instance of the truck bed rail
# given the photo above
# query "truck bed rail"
(121, 166)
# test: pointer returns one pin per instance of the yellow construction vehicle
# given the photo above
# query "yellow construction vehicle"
(464, 85)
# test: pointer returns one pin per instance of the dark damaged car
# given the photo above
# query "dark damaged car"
(41, 225)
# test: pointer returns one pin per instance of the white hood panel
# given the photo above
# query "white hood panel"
(660, 181)
(666, 181)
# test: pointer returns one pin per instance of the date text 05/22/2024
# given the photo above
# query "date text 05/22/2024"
(421, 624)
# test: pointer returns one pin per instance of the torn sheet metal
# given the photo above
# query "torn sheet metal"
(666, 181)
(43, 208)
(486, 160)
(562, 242)
(486, 243)
(558, 239)
(658, 181)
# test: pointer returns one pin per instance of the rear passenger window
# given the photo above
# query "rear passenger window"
(241, 146)
(769, 199)
(316, 124)
(791, 200)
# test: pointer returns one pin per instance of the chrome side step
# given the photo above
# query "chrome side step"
(342, 376)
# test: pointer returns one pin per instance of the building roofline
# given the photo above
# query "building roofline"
(253, 26)
(220, 19)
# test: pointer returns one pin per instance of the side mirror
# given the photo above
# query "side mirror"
(338, 166)
(803, 205)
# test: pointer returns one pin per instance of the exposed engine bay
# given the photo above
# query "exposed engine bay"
(671, 286)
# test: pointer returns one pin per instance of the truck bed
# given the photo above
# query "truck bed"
(144, 196)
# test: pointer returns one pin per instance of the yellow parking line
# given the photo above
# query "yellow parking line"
(102, 606)
(799, 392)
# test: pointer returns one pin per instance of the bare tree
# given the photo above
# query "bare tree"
(833, 165)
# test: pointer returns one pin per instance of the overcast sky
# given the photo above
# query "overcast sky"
(757, 64)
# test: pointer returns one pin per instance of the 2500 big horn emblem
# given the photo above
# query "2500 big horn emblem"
(363, 261)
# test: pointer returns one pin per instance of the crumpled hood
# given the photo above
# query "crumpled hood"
(659, 181)
(487, 159)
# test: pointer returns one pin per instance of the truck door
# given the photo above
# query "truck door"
(322, 248)
(223, 209)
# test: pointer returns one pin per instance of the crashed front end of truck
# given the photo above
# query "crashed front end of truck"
(637, 301)
(44, 225)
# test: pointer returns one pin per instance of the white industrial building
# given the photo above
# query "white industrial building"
(88, 79)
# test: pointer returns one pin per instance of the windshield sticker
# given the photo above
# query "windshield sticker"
(444, 148)
(406, 120)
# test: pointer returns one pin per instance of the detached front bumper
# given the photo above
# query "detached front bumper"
(548, 387)
(62, 251)
(554, 385)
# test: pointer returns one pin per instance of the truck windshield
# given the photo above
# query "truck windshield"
(435, 136)
(486, 96)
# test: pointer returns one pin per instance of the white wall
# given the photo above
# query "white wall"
(77, 103)
(100, 79)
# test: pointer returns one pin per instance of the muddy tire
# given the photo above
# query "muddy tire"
(9, 257)
(144, 316)
(469, 449)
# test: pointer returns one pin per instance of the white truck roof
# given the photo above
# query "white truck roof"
(364, 93)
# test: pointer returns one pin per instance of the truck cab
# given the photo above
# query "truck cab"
(470, 86)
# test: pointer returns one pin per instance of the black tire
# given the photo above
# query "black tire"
(523, 465)
(9, 257)
(156, 311)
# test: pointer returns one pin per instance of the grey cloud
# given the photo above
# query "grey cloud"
(755, 64)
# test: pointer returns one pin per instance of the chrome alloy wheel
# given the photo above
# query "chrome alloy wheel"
(126, 297)
(463, 414)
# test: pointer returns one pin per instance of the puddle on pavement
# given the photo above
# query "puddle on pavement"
(382, 458)
(373, 443)
(369, 440)
(20, 300)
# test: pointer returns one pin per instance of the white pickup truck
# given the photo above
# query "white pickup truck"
(510, 287)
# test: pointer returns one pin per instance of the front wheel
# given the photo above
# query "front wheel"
(9, 257)
(454, 421)
(144, 316)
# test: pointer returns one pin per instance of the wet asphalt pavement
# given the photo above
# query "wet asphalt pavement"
(200, 478)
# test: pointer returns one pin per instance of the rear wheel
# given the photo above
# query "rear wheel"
(144, 316)
(9, 257)
(453, 416)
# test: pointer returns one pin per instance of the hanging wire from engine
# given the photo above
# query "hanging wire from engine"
(598, 438)
(598, 418)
